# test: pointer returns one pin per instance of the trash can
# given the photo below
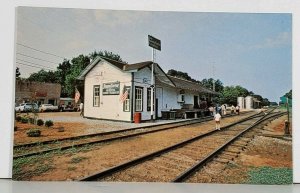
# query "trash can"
(137, 117)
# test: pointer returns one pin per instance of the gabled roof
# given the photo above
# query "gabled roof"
(119, 65)
(137, 66)
(189, 85)
(159, 73)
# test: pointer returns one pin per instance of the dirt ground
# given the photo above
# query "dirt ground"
(273, 152)
(77, 163)
(103, 156)
(73, 124)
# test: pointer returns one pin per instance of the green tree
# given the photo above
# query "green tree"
(265, 102)
(106, 54)
(208, 83)
(78, 65)
(289, 94)
(45, 76)
(182, 75)
(230, 93)
(68, 71)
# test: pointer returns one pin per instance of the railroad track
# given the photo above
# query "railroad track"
(177, 162)
(36, 148)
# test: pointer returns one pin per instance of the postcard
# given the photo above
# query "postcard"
(153, 96)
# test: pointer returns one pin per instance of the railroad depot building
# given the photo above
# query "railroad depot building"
(39, 92)
(117, 91)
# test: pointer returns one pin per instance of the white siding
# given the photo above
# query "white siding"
(110, 106)
(142, 79)
(168, 97)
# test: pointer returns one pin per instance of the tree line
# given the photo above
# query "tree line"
(67, 72)
(228, 94)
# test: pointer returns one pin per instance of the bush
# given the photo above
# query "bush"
(18, 118)
(31, 120)
(24, 120)
(49, 123)
(40, 122)
(34, 133)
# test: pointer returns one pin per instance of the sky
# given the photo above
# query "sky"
(251, 50)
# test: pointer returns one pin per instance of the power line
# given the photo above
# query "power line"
(37, 64)
(37, 58)
(40, 51)
(32, 65)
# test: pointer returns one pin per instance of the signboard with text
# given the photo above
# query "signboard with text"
(112, 88)
(154, 43)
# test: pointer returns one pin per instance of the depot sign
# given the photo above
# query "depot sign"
(154, 43)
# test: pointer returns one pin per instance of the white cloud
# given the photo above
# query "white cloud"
(116, 18)
(282, 39)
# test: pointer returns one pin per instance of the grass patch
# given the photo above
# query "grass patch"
(76, 160)
(74, 150)
(71, 168)
(26, 167)
(269, 175)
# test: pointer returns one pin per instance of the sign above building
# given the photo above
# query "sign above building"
(112, 88)
(154, 43)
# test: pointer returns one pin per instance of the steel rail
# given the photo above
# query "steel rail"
(199, 120)
(112, 170)
(111, 139)
(205, 160)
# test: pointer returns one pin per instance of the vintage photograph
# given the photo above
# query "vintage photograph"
(153, 96)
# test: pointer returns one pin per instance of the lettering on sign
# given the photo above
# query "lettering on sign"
(154, 42)
(112, 88)
(41, 94)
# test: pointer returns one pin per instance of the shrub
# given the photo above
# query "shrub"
(34, 133)
(24, 120)
(49, 123)
(18, 118)
(40, 122)
(31, 120)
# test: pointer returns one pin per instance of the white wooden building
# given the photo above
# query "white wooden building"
(106, 80)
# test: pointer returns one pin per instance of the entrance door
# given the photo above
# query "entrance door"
(196, 102)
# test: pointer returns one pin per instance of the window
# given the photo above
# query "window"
(126, 104)
(96, 96)
(138, 99)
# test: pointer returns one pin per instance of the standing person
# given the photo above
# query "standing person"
(232, 109)
(223, 110)
(218, 120)
(237, 108)
(81, 108)
(211, 110)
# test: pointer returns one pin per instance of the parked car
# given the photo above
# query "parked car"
(48, 107)
(27, 107)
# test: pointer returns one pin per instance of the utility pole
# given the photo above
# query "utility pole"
(156, 45)
(214, 82)
(152, 83)
(287, 122)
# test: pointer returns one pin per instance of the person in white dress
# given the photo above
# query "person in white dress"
(218, 121)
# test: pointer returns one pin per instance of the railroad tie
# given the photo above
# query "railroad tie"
(221, 160)
(226, 157)
(233, 151)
